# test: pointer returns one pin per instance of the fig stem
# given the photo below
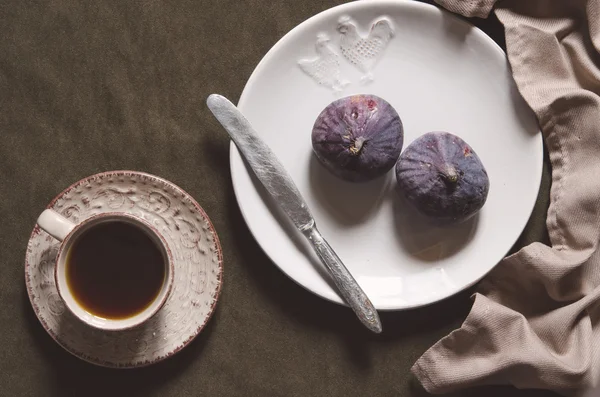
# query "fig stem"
(450, 175)
(357, 145)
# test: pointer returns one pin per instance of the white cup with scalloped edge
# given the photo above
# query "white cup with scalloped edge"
(68, 232)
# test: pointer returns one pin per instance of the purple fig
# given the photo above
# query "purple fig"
(358, 138)
(443, 178)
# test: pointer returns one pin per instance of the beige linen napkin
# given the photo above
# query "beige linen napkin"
(534, 320)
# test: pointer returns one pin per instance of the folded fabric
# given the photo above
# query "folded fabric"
(534, 321)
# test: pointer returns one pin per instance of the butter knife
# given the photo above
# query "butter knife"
(280, 185)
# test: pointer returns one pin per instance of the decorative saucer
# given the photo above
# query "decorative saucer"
(198, 269)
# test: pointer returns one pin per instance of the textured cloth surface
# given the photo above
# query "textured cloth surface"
(534, 322)
(91, 86)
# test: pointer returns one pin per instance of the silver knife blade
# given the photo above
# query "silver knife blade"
(262, 160)
(280, 185)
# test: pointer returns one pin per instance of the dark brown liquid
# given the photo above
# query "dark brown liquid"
(115, 270)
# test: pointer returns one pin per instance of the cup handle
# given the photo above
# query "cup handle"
(55, 224)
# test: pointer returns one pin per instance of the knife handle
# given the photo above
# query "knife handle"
(347, 285)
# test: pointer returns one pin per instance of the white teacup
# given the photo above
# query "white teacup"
(68, 233)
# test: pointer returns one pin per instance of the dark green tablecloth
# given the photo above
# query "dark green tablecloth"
(92, 86)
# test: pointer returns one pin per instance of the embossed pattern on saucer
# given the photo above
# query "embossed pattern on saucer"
(198, 269)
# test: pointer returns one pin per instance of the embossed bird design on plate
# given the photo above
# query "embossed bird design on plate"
(325, 68)
(364, 52)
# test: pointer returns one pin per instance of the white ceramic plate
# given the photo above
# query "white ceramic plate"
(440, 73)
